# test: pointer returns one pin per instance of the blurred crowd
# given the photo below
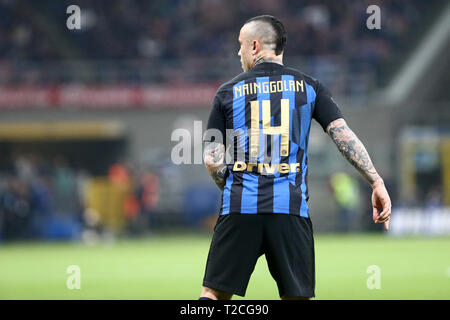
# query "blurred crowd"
(39, 198)
(174, 31)
(51, 198)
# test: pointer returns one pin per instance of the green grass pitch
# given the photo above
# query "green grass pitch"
(172, 266)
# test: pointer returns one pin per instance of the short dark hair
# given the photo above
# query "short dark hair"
(279, 29)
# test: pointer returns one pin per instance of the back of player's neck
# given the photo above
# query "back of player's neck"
(270, 59)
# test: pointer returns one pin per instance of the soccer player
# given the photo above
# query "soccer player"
(264, 210)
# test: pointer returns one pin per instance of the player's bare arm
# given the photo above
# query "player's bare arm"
(214, 156)
(352, 149)
(355, 152)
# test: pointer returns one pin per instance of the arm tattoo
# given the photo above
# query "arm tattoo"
(214, 156)
(352, 149)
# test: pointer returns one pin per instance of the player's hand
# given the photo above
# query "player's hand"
(214, 155)
(381, 204)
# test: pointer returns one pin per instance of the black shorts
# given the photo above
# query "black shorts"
(240, 239)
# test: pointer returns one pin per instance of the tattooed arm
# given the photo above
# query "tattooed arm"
(355, 152)
(352, 149)
(214, 156)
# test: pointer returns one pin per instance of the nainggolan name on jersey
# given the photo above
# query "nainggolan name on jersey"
(268, 87)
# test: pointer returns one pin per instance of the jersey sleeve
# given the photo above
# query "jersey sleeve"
(325, 109)
(216, 120)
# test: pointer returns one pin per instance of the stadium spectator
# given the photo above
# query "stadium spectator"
(15, 209)
(346, 195)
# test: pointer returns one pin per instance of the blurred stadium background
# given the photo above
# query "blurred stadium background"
(86, 118)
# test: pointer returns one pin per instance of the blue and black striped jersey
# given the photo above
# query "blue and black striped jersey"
(265, 114)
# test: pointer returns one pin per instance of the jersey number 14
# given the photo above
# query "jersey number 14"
(283, 129)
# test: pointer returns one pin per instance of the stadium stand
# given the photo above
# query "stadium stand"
(142, 42)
